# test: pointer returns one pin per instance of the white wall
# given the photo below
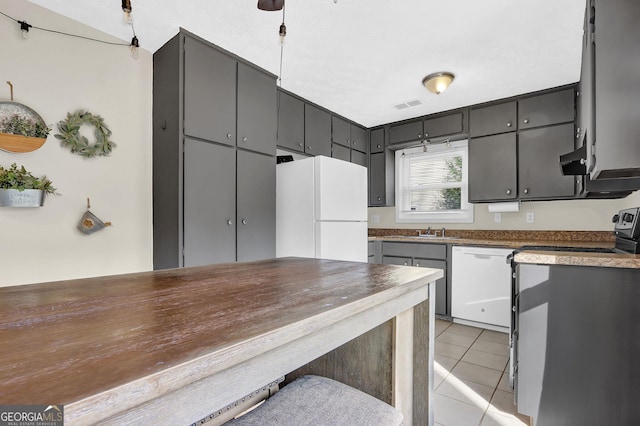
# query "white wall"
(54, 74)
(567, 215)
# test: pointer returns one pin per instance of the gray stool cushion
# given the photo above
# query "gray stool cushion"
(317, 401)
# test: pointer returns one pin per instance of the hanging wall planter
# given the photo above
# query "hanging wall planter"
(21, 128)
(24, 198)
(19, 188)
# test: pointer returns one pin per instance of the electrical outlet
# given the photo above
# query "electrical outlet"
(531, 217)
(497, 217)
(375, 218)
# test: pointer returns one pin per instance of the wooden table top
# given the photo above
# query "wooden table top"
(64, 341)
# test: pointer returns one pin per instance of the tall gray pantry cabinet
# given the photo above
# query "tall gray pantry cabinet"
(214, 142)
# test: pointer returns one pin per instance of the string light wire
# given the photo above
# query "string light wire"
(72, 35)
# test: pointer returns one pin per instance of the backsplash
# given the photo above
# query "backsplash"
(518, 235)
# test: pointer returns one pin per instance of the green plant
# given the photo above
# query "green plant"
(17, 124)
(21, 179)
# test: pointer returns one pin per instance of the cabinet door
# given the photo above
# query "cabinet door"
(377, 180)
(340, 131)
(358, 157)
(317, 131)
(394, 260)
(359, 139)
(341, 152)
(494, 119)
(290, 122)
(441, 284)
(492, 168)
(539, 173)
(209, 93)
(547, 109)
(445, 125)
(257, 110)
(376, 142)
(209, 203)
(256, 200)
(406, 132)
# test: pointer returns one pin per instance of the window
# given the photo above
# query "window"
(432, 184)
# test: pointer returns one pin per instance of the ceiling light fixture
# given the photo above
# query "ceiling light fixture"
(438, 82)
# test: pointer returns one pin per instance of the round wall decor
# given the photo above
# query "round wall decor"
(70, 134)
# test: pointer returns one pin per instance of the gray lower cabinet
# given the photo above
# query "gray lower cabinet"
(493, 168)
(539, 174)
(256, 207)
(290, 122)
(576, 344)
(317, 131)
(257, 113)
(209, 97)
(425, 256)
(209, 203)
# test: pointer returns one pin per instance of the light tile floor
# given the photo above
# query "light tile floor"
(472, 378)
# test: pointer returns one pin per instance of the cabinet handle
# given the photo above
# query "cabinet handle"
(228, 135)
(525, 121)
(379, 198)
(244, 139)
(309, 147)
(300, 144)
(508, 192)
(244, 221)
(509, 124)
(481, 309)
(426, 135)
(405, 263)
(418, 264)
(419, 135)
(229, 222)
(526, 190)
(379, 146)
(354, 143)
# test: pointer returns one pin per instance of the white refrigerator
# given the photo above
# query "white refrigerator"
(321, 209)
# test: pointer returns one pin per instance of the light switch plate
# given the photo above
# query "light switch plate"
(497, 217)
(375, 218)
(530, 217)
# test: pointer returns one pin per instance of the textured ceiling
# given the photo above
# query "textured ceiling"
(359, 58)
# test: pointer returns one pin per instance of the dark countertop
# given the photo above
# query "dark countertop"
(88, 340)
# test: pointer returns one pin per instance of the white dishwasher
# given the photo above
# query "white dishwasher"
(481, 285)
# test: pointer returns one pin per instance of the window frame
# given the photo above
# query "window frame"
(403, 213)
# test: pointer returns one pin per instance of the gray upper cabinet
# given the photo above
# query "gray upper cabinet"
(445, 125)
(359, 138)
(341, 152)
(616, 153)
(493, 119)
(209, 93)
(209, 203)
(340, 131)
(406, 132)
(377, 187)
(358, 157)
(547, 109)
(256, 204)
(290, 122)
(317, 131)
(376, 143)
(539, 173)
(257, 110)
(492, 168)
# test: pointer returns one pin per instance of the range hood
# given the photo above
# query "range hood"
(574, 164)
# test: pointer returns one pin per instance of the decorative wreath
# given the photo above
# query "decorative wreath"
(70, 134)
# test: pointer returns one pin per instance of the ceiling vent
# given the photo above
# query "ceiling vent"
(408, 104)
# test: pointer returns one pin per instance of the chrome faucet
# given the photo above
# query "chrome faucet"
(426, 233)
